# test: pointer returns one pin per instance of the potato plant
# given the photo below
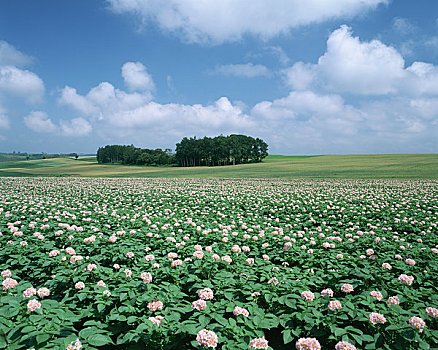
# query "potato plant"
(226, 264)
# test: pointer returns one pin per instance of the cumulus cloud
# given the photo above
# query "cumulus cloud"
(217, 21)
(21, 83)
(352, 66)
(136, 77)
(360, 67)
(40, 122)
(75, 127)
(10, 56)
(248, 70)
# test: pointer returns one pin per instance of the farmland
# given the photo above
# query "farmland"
(218, 263)
(391, 166)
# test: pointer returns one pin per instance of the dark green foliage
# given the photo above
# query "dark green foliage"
(134, 156)
(220, 150)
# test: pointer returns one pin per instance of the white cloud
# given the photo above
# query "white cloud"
(21, 83)
(75, 127)
(403, 25)
(40, 122)
(136, 77)
(217, 21)
(300, 76)
(247, 70)
(10, 56)
(360, 67)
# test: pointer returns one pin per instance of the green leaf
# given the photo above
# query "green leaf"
(41, 338)
(367, 338)
(99, 340)
(287, 336)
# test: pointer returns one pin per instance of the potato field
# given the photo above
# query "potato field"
(226, 264)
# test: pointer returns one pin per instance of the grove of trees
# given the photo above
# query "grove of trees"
(207, 151)
(220, 150)
(134, 156)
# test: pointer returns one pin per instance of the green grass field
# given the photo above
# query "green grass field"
(391, 166)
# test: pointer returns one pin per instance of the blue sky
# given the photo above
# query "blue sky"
(308, 77)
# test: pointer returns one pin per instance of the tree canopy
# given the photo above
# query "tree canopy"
(220, 150)
(207, 151)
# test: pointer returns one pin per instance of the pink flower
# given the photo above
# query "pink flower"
(227, 259)
(156, 320)
(80, 285)
(206, 294)
(199, 305)
(327, 292)
(410, 262)
(376, 318)
(149, 257)
(29, 292)
(334, 305)
(127, 272)
(386, 266)
(432, 312)
(347, 288)
(343, 345)
(406, 279)
(6, 273)
(155, 305)
(418, 323)
(9, 283)
(393, 301)
(43, 292)
(307, 295)
(207, 338)
(129, 255)
(258, 343)
(308, 344)
(250, 261)
(176, 263)
(240, 311)
(101, 284)
(146, 277)
(74, 346)
(376, 295)
(33, 304)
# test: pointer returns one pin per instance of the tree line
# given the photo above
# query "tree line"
(207, 151)
(220, 150)
(134, 156)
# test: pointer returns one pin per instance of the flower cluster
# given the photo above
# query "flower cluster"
(376, 318)
(393, 300)
(206, 294)
(334, 305)
(307, 295)
(343, 345)
(327, 292)
(432, 312)
(9, 283)
(406, 279)
(207, 338)
(155, 305)
(240, 311)
(347, 288)
(258, 343)
(418, 323)
(33, 304)
(156, 320)
(146, 277)
(376, 295)
(199, 304)
(308, 344)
